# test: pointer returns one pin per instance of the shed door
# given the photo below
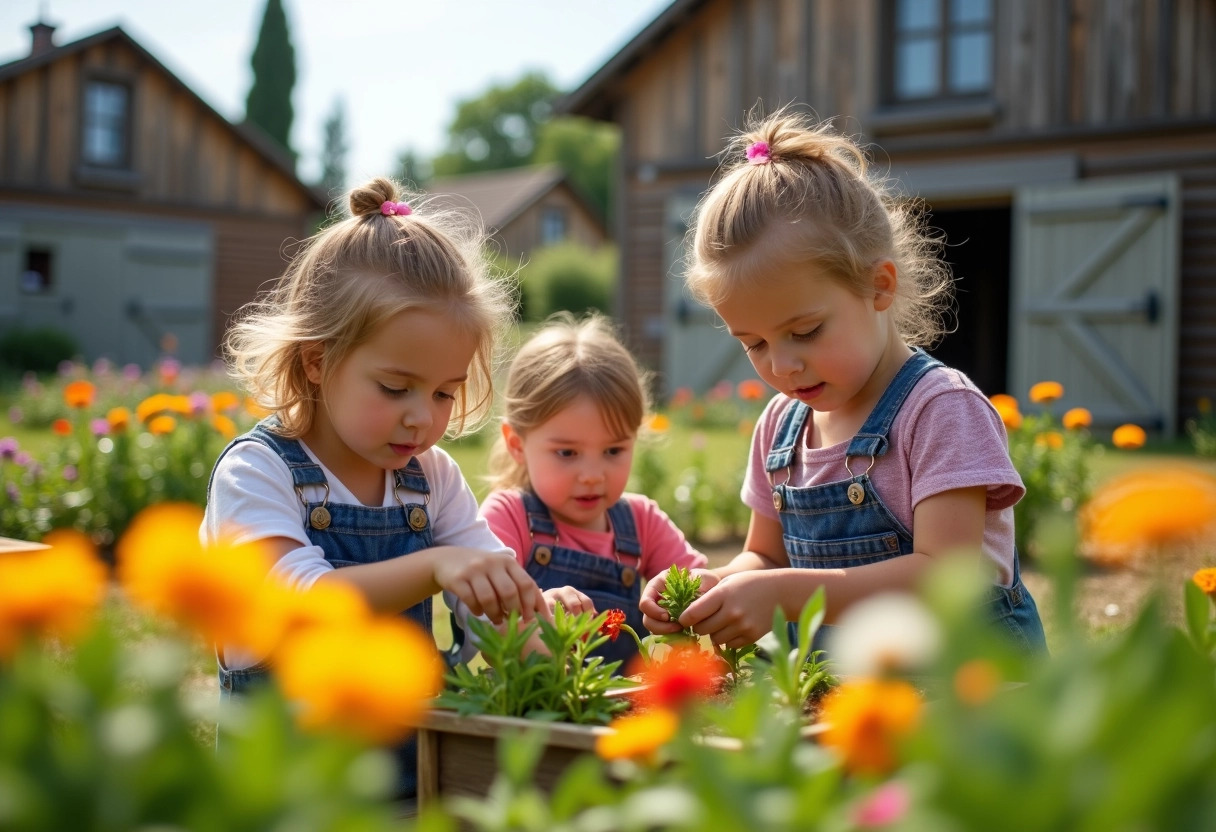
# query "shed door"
(1095, 297)
(697, 351)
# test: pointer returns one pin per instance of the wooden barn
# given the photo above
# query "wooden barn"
(1066, 148)
(130, 210)
(526, 208)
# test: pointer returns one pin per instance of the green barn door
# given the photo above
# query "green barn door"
(1095, 297)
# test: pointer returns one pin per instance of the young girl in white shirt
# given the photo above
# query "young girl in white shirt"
(375, 343)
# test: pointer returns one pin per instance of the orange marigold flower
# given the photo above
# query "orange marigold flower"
(372, 679)
(51, 592)
(612, 624)
(638, 736)
(119, 419)
(214, 591)
(686, 675)
(162, 425)
(1128, 437)
(180, 404)
(224, 426)
(151, 406)
(681, 397)
(224, 401)
(79, 394)
(976, 681)
(1046, 391)
(1077, 418)
(255, 410)
(1205, 579)
(288, 612)
(1146, 510)
(865, 720)
(61, 427)
(1003, 400)
(1007, 408)
(659, 423)
(751, 390)
(1050, 439)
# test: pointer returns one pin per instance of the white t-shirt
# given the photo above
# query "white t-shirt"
(252, 498)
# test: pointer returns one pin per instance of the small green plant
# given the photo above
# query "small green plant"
(1202, 429)
(567, 684)
(682, 589)
(797, 672)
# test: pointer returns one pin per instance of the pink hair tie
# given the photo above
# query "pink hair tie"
(395, 209)
(758, 153)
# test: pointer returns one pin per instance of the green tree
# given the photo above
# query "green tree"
(334, 150)
(412, 169)
(274, 75)
(499, 128)
(586, 150)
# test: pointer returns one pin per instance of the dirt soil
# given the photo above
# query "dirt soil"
(1107, 598)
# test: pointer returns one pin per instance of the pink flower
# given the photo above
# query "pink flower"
(395, 209)
(758, 153)
(883, 806)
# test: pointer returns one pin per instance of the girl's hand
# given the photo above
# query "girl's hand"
(737, 611)
(655, 617)
(489, 584)
(572, 600)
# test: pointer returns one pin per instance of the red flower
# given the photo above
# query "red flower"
(612, 624)
(685, 675)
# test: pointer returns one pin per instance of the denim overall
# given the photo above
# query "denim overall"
(610, 584)
(844, 524)
(355, 534)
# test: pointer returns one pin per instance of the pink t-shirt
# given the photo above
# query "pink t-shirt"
(947, 435)
(662, 543)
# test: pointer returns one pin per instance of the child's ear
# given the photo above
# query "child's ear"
(514, 443)
(886, 280)
(310, 357)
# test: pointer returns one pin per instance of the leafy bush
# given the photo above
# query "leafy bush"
(568, 277)
(36, 350)
(1202, 429)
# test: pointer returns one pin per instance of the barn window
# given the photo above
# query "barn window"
(36, 279)
(552, 226)
(106, 126)
(939, 49)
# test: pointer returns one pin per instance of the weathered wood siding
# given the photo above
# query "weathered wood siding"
(522, 235)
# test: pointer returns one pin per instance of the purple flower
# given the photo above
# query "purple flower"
(15, 415)
(8, 448)
(131, 372)
(22, 458)
(13, 493)
(70, 473)
(100, 427)
(102, 367)
(199, 402)
(67, 368)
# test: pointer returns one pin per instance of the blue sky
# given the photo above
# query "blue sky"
(400, 65)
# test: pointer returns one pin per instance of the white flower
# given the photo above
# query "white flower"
(885, 633)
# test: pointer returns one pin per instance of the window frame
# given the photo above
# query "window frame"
(127, 159)
(944, 33)
(563, 216)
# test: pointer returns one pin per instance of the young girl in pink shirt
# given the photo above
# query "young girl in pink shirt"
(574, 403)
(873, 459)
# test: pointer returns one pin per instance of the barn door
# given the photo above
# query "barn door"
(697, 351)
(1095, 297)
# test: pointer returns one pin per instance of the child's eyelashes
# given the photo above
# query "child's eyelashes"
(392, 392)
(807, 336)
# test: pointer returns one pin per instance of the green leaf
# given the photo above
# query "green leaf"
(1198, 614)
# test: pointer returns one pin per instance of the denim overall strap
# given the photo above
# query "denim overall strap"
(411, 478)
(608, 582)
(872, 439)
(785, 442)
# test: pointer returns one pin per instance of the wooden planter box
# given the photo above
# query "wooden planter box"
(457, 755)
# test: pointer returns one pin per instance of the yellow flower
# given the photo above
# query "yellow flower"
(372, 679)
(51, 592)
(213, 591)
(1046, 391)
(255, 410)
(976, 681)
(152, 405)
(119, 418)
(1007, 407)
(1205, 579)
(638, 736)
(866, 718)
(1128, 437)
(659, 423)
(162, 425)
(1051, 439)
(224, 426)
(180, 405)
(288, 612)
(79, 394)
(224, 400)
(1148, 510)
(1077, 418)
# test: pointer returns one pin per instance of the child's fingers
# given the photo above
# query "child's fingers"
(650, 608)
(506, 592)
(486, 597)
(704, 607)
(660, 627)
(464, 591)
(531, 599)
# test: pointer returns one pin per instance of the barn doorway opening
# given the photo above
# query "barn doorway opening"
(978, 248)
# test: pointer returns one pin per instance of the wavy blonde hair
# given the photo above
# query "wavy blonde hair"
(818, 201)
(565, 359)
(353, 276)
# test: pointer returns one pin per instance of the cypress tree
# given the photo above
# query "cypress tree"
(274, 75)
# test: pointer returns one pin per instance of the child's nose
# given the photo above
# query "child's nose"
(784, 362)
(417, 417)
(591, 473)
